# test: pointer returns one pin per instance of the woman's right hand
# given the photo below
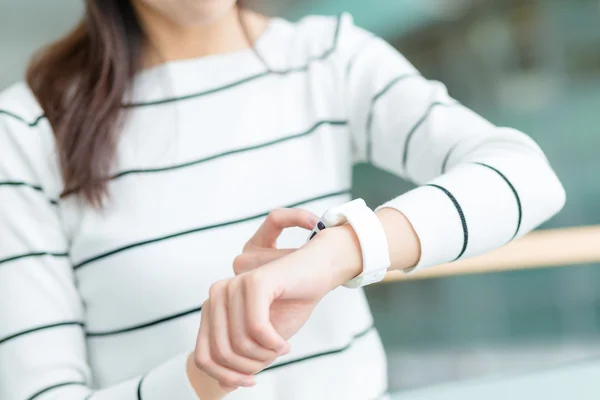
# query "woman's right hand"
(261, 249)
(248, 319)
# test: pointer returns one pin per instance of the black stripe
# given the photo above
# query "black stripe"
(201, 229)
(139, 388)
(374, 101)
(41, 328)
(145, 325)
(251, 78)
(326, 353)
(197, 95)
(58, 385)
(232, 152)
(40, 254)
(334, 44)
(30, 186)
(460, 214)
(451, 151)
(411, 133)
(517, 198)
(21, 119)
(365, 45)
(447, 158)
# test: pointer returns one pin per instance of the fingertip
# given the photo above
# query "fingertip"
(249, 382)
(274, 343)
(283, 347)
(312, 221)
(286, 350)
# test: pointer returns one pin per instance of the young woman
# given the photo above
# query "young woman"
(147, 147)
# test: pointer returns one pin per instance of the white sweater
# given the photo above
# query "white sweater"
(105, 304)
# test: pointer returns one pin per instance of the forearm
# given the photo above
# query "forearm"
(466, 212)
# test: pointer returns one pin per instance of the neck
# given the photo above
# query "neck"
(234, 31)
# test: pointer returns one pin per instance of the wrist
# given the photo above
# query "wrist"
(339, 249)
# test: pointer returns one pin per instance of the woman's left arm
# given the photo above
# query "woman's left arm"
(480, 185)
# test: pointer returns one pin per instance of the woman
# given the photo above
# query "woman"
(149, 144)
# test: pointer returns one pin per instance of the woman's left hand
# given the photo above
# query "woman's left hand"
(248, 319)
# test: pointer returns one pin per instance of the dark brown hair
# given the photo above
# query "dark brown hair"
(80, 82)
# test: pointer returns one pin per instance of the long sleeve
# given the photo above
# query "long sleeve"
(480, 185)
(42, 318)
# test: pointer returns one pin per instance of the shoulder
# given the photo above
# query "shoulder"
(22, 120)
(318, 37)
(19, 106)
(26, 139)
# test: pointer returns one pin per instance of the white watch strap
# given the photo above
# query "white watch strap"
(371, 236)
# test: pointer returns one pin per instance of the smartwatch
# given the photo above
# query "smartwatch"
(371, 236)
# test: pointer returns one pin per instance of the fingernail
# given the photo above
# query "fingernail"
(248, 383)
(314, 221)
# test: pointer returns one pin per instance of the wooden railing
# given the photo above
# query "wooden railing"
(539, 249)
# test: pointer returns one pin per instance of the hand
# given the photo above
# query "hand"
(259, 250)
(247, 320)
(262, 247)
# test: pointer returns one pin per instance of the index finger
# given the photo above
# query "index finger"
(277, 220)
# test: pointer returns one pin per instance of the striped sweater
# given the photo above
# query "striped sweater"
(105, 304)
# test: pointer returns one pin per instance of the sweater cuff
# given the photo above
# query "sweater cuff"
(453, 214)
(169, 381)
(435, 221)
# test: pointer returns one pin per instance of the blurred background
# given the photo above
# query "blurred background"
(530, 64)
